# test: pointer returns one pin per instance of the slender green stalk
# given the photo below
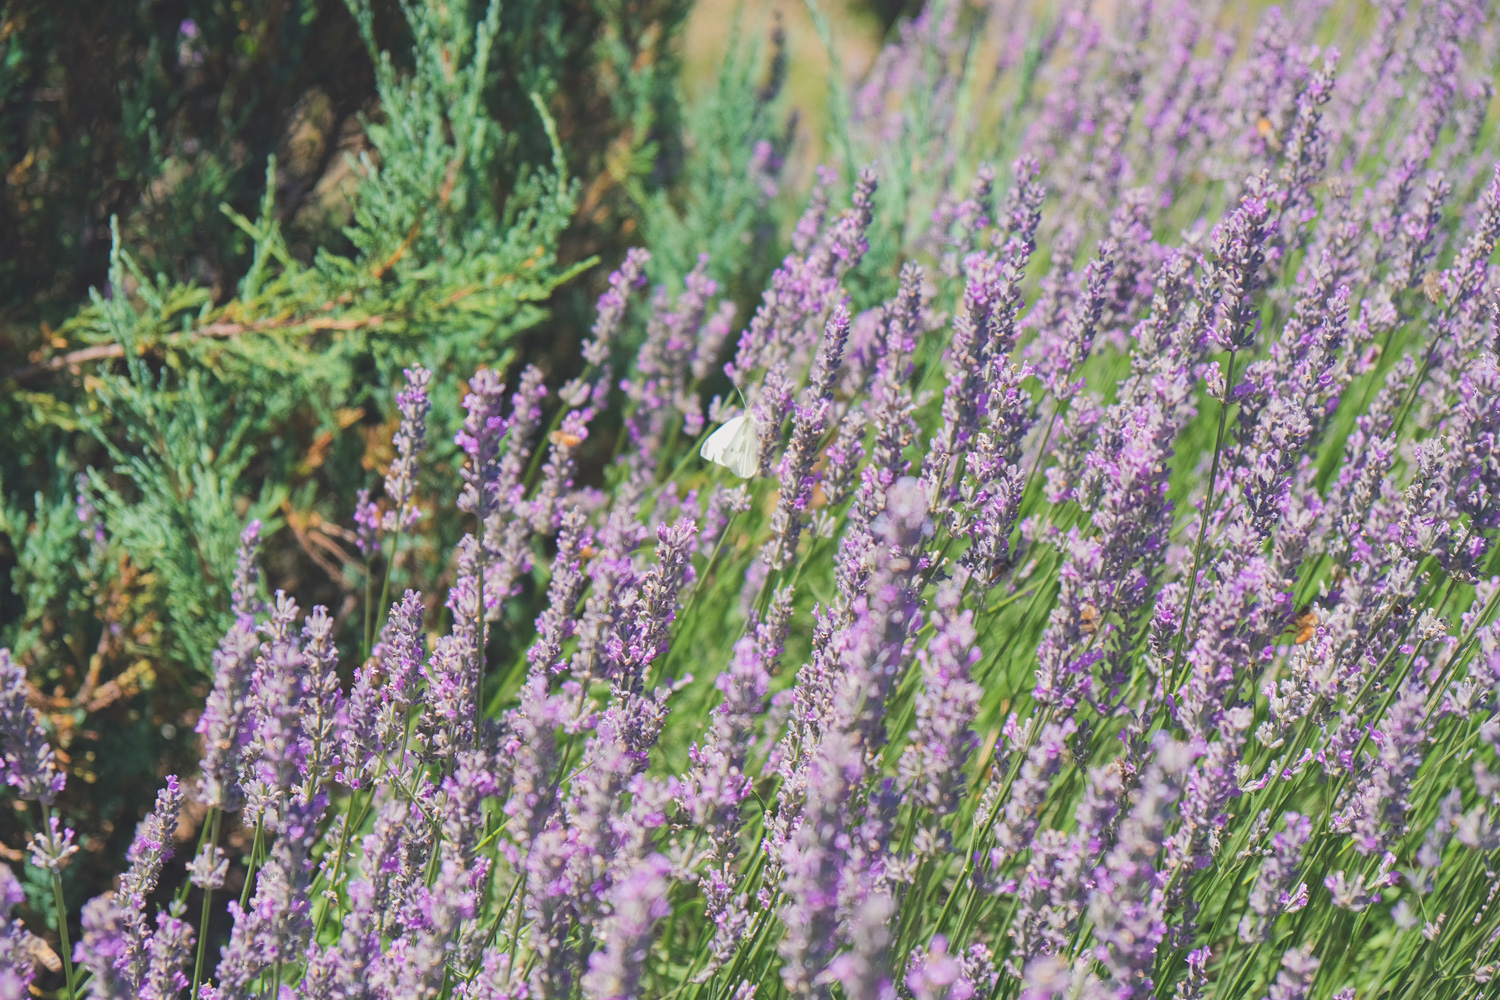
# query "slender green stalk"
(1208, 504)
(60, 910)
(373, 623)
(215, 817)
(494, 928)
(62, 928)
(338, 866)
(253, 863)
(366, 636)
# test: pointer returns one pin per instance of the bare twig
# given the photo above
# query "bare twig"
(101, 352)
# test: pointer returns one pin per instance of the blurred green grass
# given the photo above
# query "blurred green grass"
(858, 25)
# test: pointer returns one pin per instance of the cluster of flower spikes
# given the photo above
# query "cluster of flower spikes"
(1071, 718)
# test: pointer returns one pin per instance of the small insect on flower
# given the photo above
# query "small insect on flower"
(1432, 287)
(41, 953)
(735, 445)
(565, 440)
(1088, 619)
(1305, 625)
(1267, 131)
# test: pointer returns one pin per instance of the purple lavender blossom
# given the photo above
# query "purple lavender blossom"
(366, 523)
(1111, 573)
(806, 286)
(936, 974)
(343, 969)
(274, 929)
(712, 792)
(52, 846)
(579, 857)
(658, 388)
(1018, 820)
(483, 429)
(416, 963)
(449, 704)
(864, 970)
(30, 764)
(1376, 815)
(375, 713)
(558, 622)
(245, 593)
(558, 470)
(980, 336)
(496, 980)
(1294, 981)
(102, 949)
(1236, 267)
(611, 306)
(532, 746)
(934, 762)
(223, 722)
(166, 954)
(409, 440)
(654, 606)
(272, 762)
(1208, 789)
(322, 696)
(611, 575)
(208, 867)
(810, 422)
(17, 945)
(150, 850)
(1127, 904)
(814, 865)
(1276, 891)
(820, 866)
(958, 224)
(639, 901)
(525, 418)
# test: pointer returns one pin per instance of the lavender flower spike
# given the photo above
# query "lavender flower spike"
(483, 428)
(934, 762)
(102, 950)
(30, 765)
(409, 440)
(19, 949)
(1127, 904)
(1294, 982)
(639, 902)
(245, 596)
(222, 724)
(1274, 892)
(374, 715)
(151, 849)
(810, 423)
(937, 974)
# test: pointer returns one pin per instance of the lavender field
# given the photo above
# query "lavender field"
(1070, 572)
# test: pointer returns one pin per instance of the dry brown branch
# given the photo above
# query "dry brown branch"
(221, 330)
(317, 548)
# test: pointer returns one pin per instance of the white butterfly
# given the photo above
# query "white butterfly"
(735, 445)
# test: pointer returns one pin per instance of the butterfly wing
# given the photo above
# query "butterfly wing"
(744, 454)
(735, 445)
(718, 444)
(750, 449)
